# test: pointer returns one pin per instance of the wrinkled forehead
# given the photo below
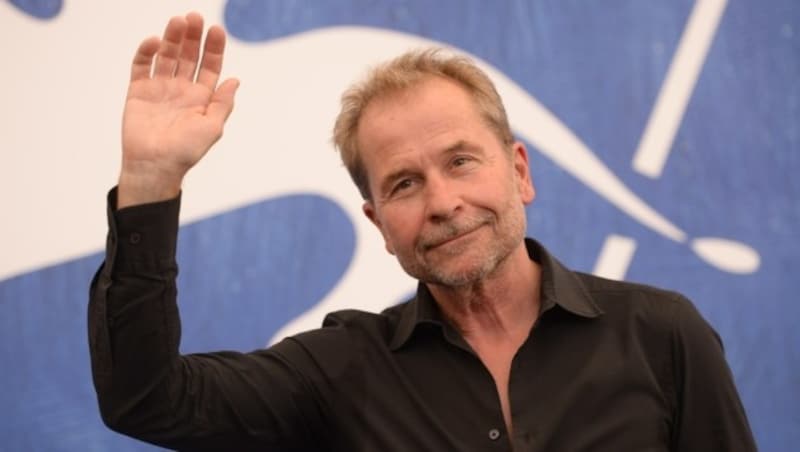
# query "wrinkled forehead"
(401, 115)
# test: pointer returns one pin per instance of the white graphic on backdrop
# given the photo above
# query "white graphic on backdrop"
(561, 145)
(682, 75)
(272, 136)
(536, 124)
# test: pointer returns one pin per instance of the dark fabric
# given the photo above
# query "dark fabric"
(609, 366)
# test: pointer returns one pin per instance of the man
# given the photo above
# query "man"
(502, 348)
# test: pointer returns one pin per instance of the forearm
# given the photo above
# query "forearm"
(146, 389)
(133, 319)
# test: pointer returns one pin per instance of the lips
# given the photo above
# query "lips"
(437, 242)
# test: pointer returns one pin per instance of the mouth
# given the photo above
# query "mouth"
(450, 239)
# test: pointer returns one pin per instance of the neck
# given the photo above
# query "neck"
(501, 307)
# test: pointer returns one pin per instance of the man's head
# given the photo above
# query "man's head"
(445, 187)
(401, 73)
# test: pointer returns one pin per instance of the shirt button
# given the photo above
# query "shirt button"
(494, 434)
(135, 238)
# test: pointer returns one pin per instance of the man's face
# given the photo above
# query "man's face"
(447, 196)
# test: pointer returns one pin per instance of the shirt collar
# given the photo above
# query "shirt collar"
(560, 287)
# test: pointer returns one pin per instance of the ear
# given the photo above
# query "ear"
(369, 210)
(522, 172)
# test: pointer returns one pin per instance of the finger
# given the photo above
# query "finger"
(211, 65)
(143, 60)
(190, 49)
(221, 103)
(167, 56)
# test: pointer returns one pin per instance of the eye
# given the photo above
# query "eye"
(461, 160)
(403, 184)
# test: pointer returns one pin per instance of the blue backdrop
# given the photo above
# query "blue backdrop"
(598, 67)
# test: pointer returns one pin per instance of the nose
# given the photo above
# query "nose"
(442, 199)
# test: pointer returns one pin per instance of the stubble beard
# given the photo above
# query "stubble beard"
(507, 232)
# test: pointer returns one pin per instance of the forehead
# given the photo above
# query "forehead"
(424, 115)
(428, 90)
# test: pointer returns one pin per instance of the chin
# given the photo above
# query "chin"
(460, 277)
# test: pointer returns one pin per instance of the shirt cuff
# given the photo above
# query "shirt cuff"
(142, 238)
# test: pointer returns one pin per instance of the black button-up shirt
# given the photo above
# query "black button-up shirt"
(609, 366)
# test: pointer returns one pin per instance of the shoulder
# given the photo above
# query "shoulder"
(630, 298)
(587, 294)
(664, 315)
(351, 328)
(346, 337)
(608, 290)
(365, 323)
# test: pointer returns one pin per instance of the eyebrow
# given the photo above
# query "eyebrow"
(391, 178)
(460, 145)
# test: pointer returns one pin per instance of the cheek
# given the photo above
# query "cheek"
(492, 197)
(396, 231)
(399, 229)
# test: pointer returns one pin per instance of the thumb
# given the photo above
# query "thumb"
(221, 104)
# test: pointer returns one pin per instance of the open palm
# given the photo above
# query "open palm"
(174, 111)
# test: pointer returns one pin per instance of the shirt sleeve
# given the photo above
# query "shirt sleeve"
(146, 389)
(710, 415)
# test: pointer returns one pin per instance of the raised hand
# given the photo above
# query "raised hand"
(174, 112)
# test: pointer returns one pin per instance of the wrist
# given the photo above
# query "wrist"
(143, 187)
